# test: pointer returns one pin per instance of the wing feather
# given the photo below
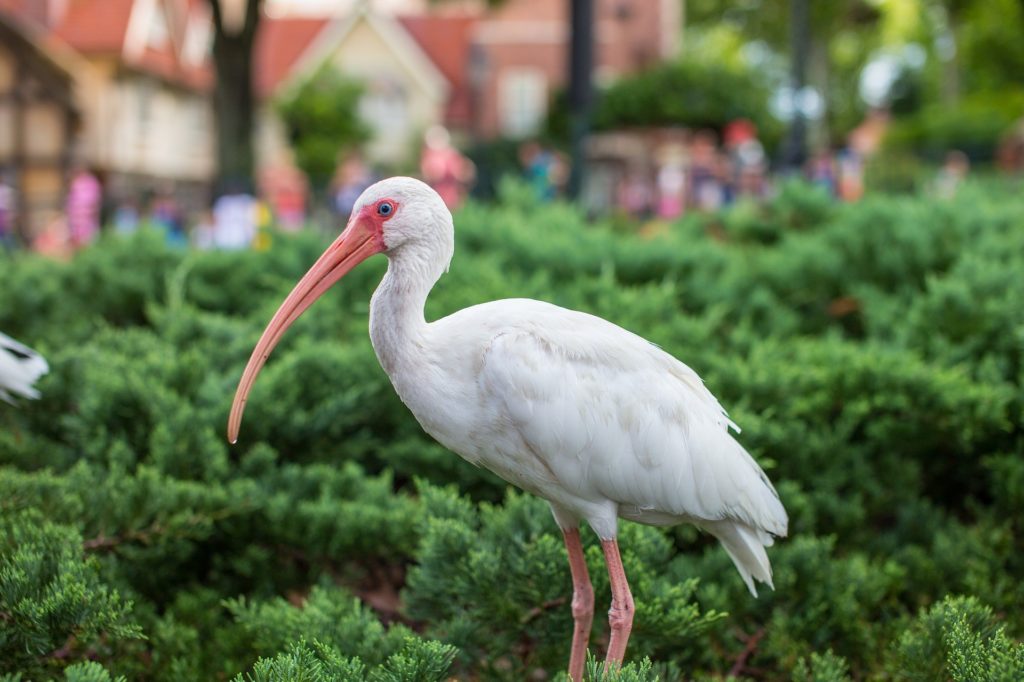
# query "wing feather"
(20, 368)
(616, 417)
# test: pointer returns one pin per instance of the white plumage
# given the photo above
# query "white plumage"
(20, 368)
(594, 419)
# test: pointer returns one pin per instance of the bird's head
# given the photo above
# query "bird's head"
(399, 217)
(403, 212)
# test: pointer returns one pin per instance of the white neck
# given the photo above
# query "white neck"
(397, 323)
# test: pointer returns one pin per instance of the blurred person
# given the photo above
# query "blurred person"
(444, 168)
(952, 174)
(635, 195)
(204, 233)
(866, 139)
(706, 192)
(1010, 152)
(850, 169)
(126, 216)
(234, 219)
(748, 162)
(264, 217)
(55, 239)
(352, 178)
(752, 182)
(821, 170)
(671, 181)
(539, 168)
(7, 209)
(726, 174)
(85, 195)
(285, 188)
(166, 215)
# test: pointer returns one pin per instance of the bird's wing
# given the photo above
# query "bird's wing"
(20, 368)
(616, 417)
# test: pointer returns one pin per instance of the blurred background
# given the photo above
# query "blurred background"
(212, 118)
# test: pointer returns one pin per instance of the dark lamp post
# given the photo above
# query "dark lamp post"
(581, 90)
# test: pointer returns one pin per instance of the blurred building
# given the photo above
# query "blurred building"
(135, 73)
(520, 55)
(38, 119)
(479, 71)
(123, 86)
(404, 90)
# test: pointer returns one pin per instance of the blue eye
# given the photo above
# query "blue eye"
(385, 208)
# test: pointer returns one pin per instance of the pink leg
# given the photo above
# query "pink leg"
(582, 603)
(620, 616)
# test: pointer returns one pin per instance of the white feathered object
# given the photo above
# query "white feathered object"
(20, 369)
(599, 422)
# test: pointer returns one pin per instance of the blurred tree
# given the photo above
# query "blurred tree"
(234, 35)
(951, 19)
(322, 121)
(841, 37)
(706, 94)
(983, 42)
(965, 91)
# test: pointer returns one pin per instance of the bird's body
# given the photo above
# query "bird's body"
(20, 368)
(594, 419)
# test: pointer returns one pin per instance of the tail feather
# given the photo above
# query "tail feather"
(745, 546)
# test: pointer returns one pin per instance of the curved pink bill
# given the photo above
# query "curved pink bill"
(358, 242)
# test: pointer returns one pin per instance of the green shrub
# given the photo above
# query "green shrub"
(958, 639)
(54, 604)
(872, 354)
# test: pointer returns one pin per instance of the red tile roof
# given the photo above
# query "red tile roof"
(100, 27)
(92, 26)
(280, 42)
(446, 40)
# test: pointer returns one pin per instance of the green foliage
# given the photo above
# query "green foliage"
(328, 616)
(509, 561)
(990, 55)
(842, 36)
(698, 94)
(631, 672)
(349, 643)
(418, 661)
(825, 667)
(872, 354)
(958, 639)
(322, 120)
(53, 601)
(975, 125)
(304, 664)
(89, 671)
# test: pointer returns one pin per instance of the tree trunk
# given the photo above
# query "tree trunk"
(233, 99)
(818, 76)
(951, 67)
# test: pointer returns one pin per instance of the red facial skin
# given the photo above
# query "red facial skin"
(370, 214)
(362, 238)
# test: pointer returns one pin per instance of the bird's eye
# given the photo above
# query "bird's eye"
(385, 208)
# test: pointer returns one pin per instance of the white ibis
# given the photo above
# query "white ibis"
(20, 368)
(594, 419)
